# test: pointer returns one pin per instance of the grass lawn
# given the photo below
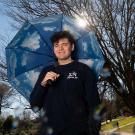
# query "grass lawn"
(129, 129)
(122, 121)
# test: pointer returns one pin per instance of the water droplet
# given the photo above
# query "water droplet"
(45, 119)
(36, 109)
(132, 52)
(134, 129)
(15, 124)
(114, 133)
(105, 72)
(49, 131)
(42, 113)
(99, 112)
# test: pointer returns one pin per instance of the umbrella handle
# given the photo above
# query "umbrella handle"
(49, 82)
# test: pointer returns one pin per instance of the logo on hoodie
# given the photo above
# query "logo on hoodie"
(72, 75)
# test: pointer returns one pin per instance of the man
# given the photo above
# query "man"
(69, 101)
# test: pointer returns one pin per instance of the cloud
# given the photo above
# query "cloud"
(88, 62)
(32, 41)
(75, 33)
(16, 82)
(49, 28)
(84, 46)
(24, 60)
(32, 77)
(13, 60)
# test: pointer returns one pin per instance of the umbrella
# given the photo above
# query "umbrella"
(31, 50)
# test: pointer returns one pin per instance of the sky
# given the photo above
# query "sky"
(5, 23)
(7, 32)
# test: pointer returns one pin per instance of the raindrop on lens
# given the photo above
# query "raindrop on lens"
(99, 112)
(15, 124)
(115, 133)
(42, 113)
(45, 119)
(35, 109)
(132, 52)
(121, 113)
(49, 131)
(134, 129)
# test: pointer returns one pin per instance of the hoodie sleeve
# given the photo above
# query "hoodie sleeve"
(92, 100)
(91, 90)
(38, 93)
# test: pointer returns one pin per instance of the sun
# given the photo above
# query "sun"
(81, 22)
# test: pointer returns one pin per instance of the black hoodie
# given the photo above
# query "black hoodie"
(67, 101)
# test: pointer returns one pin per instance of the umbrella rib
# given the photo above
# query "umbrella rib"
(16, 34)
(41, 36)
(62, 22)
(82, 37)
(30, 51)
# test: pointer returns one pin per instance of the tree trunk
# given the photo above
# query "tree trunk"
(129, 100)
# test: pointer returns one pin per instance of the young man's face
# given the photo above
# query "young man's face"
(63, 49)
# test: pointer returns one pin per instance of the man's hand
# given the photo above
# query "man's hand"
(49, 76)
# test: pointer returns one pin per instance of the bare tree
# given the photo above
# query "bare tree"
(114, 24)
(6, 91)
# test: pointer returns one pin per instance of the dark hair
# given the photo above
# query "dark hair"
(62, 34)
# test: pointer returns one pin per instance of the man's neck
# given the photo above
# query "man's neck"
(64, 62)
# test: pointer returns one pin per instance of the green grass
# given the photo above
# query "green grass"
(126, 120)
(122, 121)
(108, 126)
(129, 129)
